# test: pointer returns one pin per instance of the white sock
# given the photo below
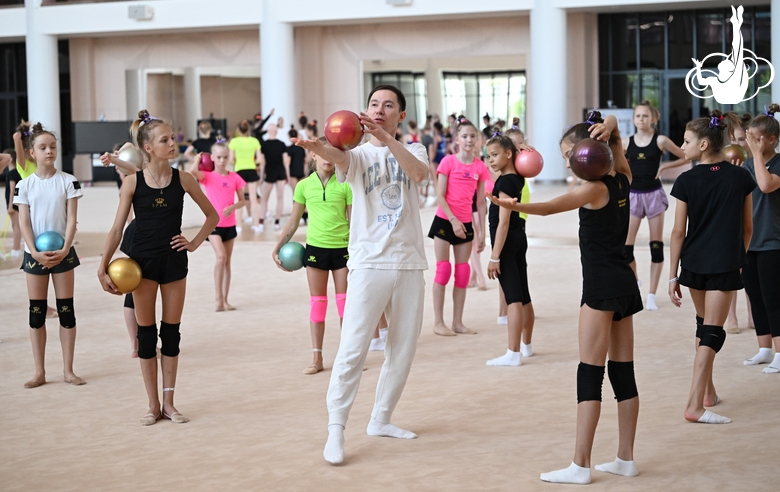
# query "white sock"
(376, 428)
(763, 356)
(526, 350)
(501, 320)
(651, 306)
(383, 333)
(572, 474)
(774, 367)
(713, 418)
(619, 467)
(508, 359)
(334, 448)
(377, 345)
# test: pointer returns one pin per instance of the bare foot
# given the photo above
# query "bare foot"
(442, 330)
(692, 416)
(220, 307)
(229, 307)
(711, 402)
(462, 330)
(481, 283)
(35, 382)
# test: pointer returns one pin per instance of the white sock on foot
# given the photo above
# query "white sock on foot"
(651, 306)
(376, 428)
(501, 320)
(377, 345)
(774, 367)
(383, 333)
(572, 474)
(713, 418)
(619, 467)
(763, 356)
(508, 359)
(526, 350)
(334, 448)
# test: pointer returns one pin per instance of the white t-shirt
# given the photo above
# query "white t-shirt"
(47, 199)
(385, 232)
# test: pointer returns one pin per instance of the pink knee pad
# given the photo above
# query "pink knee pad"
(443, 272)
(462, 275)
(319, 306)
(341, 301)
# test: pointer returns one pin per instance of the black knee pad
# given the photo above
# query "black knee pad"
(628, 251)
(657, 251)
(713, 337)
(589, 381)
(246, 196)
(37, 313)
(621, 376)
(170, 338)
(147, 342)
(699, 322)
(66, 313)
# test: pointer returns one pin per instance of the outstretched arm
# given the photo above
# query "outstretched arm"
(588, 193)
(338, 157)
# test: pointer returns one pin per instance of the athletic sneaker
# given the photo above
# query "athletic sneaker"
(247, 220)
(258, 228)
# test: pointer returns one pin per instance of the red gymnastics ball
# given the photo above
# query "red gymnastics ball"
(206, 164)
(343, 130)
(529, 163)
(590, 159)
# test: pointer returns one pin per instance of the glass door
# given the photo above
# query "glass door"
(678, 106)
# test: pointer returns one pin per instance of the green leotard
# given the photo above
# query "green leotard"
(328, 224)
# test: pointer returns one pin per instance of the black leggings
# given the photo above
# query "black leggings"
(761, 277)
(514, 269)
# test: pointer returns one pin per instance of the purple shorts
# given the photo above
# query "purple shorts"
(648, 204)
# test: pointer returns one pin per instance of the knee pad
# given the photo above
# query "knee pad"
(699, 322)
(628, 251)
(246, 196)
(713, 337)
(147, 341)
(66, 313)
(37, 313)
(462, 275)
(341, 301)
(621, 376)
(169, 338)
(657, 251)
(443, 272)
(318, 306)
(589, 381)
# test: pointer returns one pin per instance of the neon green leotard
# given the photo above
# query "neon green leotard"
(327, 206)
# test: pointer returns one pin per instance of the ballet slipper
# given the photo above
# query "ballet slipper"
(75, 381)
(313, 369)
(229, 307)
(150, 419)
(443, 331)
(176, 418)
(462, 330)
(34, 383)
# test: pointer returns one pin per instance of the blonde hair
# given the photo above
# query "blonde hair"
(142, 130)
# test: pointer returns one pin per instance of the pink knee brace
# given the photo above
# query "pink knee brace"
(462, 275)
(341, 301)
(443, 272)
(319, 306)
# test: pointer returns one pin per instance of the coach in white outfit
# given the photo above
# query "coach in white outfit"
(386, 263)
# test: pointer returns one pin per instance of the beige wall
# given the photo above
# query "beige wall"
(165, 97)
(233, 98)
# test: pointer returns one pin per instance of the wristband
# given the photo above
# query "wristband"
(673, 280)
(494, 261)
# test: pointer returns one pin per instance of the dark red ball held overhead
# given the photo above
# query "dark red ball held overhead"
(343, 130)
(590, 159)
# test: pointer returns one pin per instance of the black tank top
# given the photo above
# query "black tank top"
(605, 271)
(157, 216)
(644, 162)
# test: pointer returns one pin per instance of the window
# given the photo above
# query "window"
(474, 94)
(414, 89)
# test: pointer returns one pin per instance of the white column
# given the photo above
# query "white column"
(135, 92)
(547, 88)
(43, 74)
(434, 88)
(277, 70)
(774, 24)
(193, 107)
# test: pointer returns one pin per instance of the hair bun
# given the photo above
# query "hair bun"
(715, 113)
(37, 128)
(143, 115)
(773, 108)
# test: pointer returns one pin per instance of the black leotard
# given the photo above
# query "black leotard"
(157, 216)
(644, 162)
(605, 272)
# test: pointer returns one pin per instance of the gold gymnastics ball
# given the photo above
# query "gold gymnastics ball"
(125, 274)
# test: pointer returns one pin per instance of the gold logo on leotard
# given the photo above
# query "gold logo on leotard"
(622, 202)
(159, 202)
(641, 156)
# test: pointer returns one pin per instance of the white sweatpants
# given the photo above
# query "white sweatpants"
(400, 295)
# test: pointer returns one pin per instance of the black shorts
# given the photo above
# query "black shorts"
(129, 301)
(274, 174)
(296, 171)
(622, 307)
(249, 175)
(514, 269)
(164, 269)
(31, 266)
(326, 258)
(711, 281)
(226, 233)
(442, 228)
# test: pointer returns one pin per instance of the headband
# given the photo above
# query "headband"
(766, 112)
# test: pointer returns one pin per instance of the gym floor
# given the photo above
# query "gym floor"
(258, 423)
